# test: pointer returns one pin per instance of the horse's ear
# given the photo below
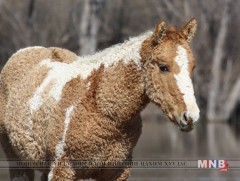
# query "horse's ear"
(189, 29)
(159, 32)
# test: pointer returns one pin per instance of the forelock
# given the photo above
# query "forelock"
(173, 34)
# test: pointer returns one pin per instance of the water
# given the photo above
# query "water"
(161, 140)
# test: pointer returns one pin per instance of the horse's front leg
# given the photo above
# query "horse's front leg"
(61, 171)
(124, 175)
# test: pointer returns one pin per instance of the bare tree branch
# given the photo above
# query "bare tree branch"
(226, 81)
(31, 8)
(186, 9)
(172, 8)
(217, 61)
(231, 101)
(89, 27)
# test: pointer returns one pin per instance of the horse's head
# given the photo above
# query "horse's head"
(169, 63)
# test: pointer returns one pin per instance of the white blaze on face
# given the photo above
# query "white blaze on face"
(185, 85)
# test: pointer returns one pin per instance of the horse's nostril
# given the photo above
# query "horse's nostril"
(185, 117)
(186, 123)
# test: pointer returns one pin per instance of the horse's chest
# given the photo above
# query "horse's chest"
(97, 139)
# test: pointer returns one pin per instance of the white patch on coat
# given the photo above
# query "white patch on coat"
(59, 150)
(30, 122)
(58, 76)
(61, 73)
(29, 48)
(127, 51)
(50, 175)
(185, 85)
(60, 146)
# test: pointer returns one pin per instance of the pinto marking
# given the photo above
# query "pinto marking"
(50, 175)
(61, 73)
(128, 51)
(185, 85)
(59, 150)
(60, 146)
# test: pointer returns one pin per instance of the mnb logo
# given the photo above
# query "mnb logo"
(222, 165)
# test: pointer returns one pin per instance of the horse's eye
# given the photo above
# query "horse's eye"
(163, 68)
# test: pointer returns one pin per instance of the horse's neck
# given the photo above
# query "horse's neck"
(116, 77)
(120, 92)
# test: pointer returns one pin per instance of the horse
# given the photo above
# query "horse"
(58, 106)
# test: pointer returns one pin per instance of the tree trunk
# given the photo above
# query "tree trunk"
(213, 98)
(89, 27)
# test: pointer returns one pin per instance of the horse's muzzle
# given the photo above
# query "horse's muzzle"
(185, 124)
(186, 128)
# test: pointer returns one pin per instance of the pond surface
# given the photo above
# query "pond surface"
(161, 140)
